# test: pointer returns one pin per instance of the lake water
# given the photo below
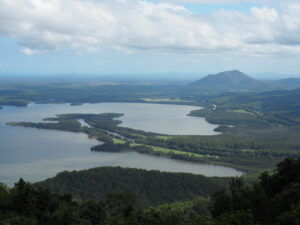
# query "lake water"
(38, 154)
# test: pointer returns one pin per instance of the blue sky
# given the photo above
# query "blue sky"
(132, 36)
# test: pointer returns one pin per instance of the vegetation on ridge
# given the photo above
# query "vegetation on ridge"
(150, 187)
(273, 200)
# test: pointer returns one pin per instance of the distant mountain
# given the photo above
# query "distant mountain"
(289, 83)
(229, 80)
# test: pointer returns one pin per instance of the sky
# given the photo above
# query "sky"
(44, 37)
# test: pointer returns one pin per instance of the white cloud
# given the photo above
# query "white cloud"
(264, 13)
(135, 25)
(28, 51)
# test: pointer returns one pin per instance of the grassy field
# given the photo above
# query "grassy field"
(167, 150)
(118, 141)
(161, 137)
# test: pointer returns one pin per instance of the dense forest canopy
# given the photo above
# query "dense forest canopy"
(149, 187)
(273, 200)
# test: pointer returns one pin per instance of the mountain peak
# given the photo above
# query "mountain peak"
(230, 73)
(233, 71)
(233, 79)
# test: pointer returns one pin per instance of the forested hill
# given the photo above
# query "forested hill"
(235, 80)
(150, 187)
(273, 200)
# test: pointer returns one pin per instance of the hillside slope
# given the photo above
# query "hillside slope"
(150, 187)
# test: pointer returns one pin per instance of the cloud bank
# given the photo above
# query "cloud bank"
(140, 26)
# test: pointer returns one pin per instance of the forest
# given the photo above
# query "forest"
(273, 200)
(149, 187)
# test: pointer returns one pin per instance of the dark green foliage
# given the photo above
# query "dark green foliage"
(65, 125)
(26, 204)
(33, 205)
(236, 218)
(149, 187)
(291, 217)
(265, 203)
(109, 147)
(103, 121)
(274, 200)
(143, 149)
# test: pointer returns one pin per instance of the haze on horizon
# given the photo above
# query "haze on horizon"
(144, 37)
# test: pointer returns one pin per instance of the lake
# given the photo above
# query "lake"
(38, 154)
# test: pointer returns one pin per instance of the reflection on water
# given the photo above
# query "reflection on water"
(37, 154)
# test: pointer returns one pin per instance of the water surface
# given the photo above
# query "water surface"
(159, 118)
(38, 154)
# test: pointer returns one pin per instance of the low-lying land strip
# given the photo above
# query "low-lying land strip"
(250, 145)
